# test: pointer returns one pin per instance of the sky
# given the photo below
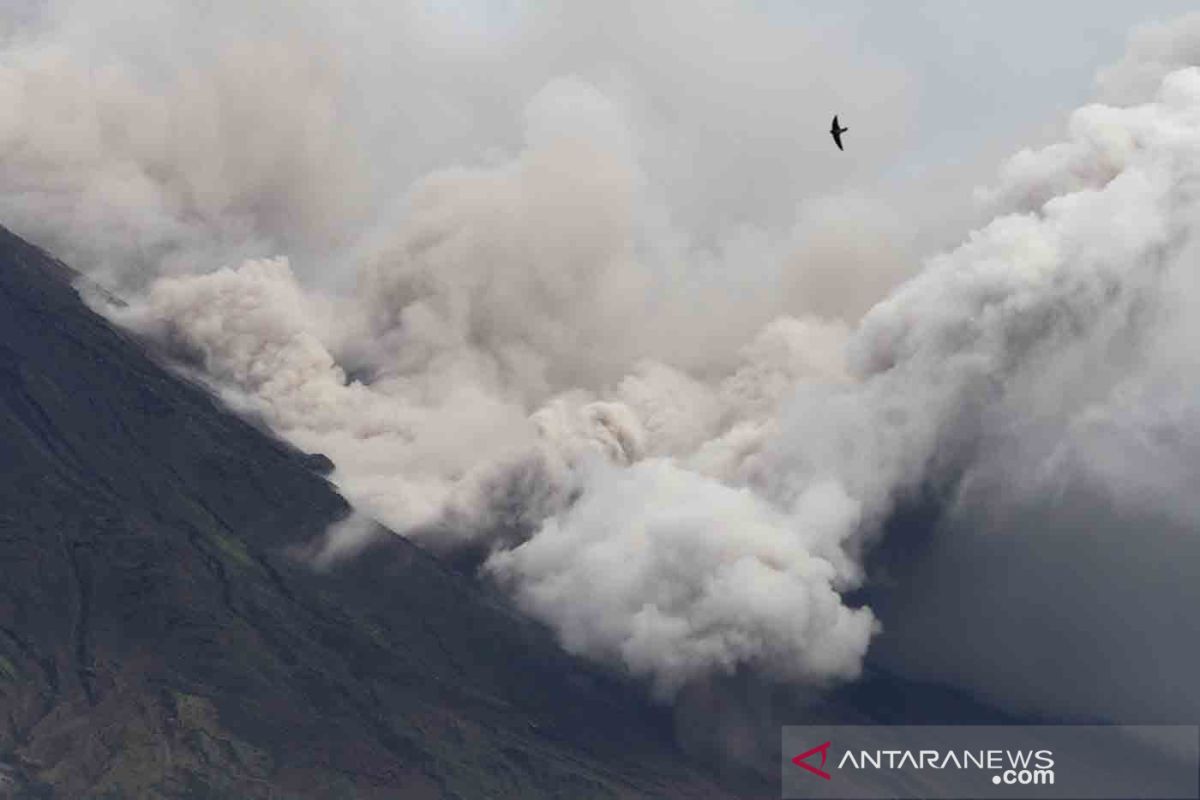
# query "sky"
(988, 77)
(979, 81)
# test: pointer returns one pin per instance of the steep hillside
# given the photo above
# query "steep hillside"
(157, 640)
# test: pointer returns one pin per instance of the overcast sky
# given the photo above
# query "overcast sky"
(987, 77)
(979, 80)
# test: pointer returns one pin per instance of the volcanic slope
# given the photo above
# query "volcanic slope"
(157, 639)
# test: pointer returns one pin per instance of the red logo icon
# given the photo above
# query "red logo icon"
(823, 749)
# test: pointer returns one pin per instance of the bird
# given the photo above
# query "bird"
(836, 131)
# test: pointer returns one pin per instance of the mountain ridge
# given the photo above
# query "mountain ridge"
(157, 640)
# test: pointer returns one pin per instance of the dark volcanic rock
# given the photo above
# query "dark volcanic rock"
(157, 640)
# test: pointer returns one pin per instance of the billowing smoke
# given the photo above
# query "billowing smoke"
(1062, 580)
(585, 309)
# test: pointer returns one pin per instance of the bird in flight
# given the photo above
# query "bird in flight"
(837, 132)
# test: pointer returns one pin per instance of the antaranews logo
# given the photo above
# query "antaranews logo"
(802, 760)
(1020, 762)
(1012, 767)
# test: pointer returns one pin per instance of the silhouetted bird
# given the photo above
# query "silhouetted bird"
(837, 133)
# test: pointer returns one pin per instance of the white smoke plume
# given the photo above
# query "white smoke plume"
(608, 340)
(1072, 546)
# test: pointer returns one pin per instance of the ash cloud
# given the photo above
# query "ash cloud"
(584, 307)
(1059, 581)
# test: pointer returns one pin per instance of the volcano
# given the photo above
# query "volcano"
(159, 639)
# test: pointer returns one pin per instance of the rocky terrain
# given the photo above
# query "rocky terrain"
(160, 636)
(158, 639)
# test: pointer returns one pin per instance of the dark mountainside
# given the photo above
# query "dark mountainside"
(156, 640)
